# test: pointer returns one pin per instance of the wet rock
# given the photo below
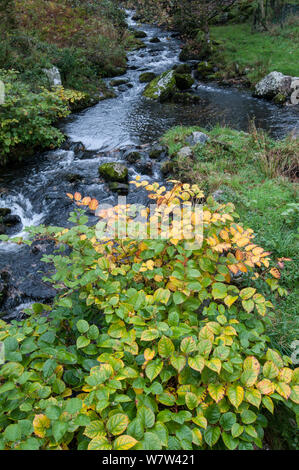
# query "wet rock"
(145, 167)
(2, 229)
(184, 81)
(197, 138)
(167, 167)
(140, 34)
(73, 177)
(11, 220)
(162, 87)
(275, 83)
(185, 152)
(78, 148)
(147, 77)
(155, 40)
(119, 188)
(204, 69)
(157, 151)
(114, 171)
(132, 157)
(4, 211)
(182, 68)
(119, 81)
(122, 88)
(185, 98)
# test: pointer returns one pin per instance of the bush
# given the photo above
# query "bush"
(150, 344)
(27, 118)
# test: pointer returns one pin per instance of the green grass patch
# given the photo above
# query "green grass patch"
(261, 52)
(231, 166)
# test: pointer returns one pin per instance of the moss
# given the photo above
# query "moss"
(280, 98)
(183, 81)
(162, 87)
(204, 69)
(147, 77)
(114, 171)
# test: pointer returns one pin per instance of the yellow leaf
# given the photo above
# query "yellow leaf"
(266, 387)
(124, 442)
(216, 391)
(40, 424)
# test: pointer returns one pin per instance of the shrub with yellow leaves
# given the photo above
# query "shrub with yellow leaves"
(170, 343)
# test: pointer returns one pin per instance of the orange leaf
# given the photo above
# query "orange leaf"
(77, 197)
(70, 195)
(93, 204)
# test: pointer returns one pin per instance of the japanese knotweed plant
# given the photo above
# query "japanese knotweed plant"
(168, 344)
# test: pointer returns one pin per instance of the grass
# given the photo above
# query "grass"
(260, 52)
(231, 166)
(85, 40)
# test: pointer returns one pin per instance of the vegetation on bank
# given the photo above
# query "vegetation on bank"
(260, 176)
(254, 54)
(86, 41)
(157, 343)
(231, 36)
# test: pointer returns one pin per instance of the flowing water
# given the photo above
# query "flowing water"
(36, 190)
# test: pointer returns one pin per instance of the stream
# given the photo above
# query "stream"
(36, 190)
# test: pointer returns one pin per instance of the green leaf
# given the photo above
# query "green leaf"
(191, 400)
(237, 430)
(165, 347)
(197, 363)
(153, 369)
(82, 342)
(12, 433)
(146, 417)
(73, 405)
(188, 345)
(229, 441)
(82, 326)
(227, 421)
(149, 335)
(178, 361)
(211, 435)
(117, 424)
(219, 290)
(59, 429)
(179, 298)
(248, 417)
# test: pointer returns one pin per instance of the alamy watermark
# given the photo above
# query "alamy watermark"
(155, 222)
(2, 92)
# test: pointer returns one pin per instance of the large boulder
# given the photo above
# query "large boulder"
(147, 77)
(162, 87)
(184, 81)
(275, 84)
(114, 171)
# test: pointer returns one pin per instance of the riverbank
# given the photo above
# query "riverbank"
(259, 176)
(237, 54)
(53, 59)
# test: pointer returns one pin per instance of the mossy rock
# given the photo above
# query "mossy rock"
(183, 81)
(120, 188)
(132, 157)
(118, 81)
(114, 171)
(167, 167)
(280, 98)
(155, 40)
(147, 77)
(185, 98)
(4, 211)
(182, 68)
(140, 34)
(162, 87)
(204, 69)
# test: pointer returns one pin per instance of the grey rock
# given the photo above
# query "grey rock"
(197, 138)
(273, 84)
(185, 152)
